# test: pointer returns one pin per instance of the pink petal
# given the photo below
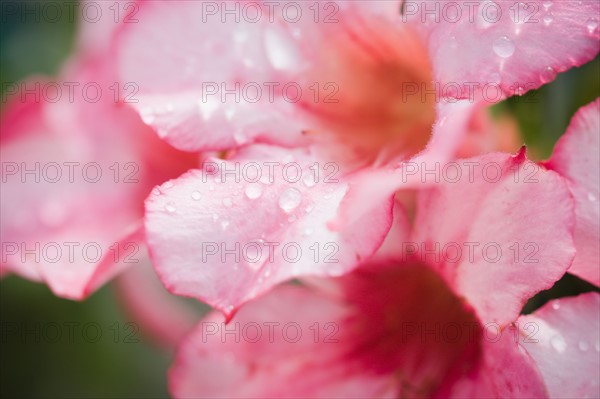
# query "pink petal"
(510, 46)
(263, 223)
(576, 157)
(505, 371)
(82, 228)
(563, 337)
(98, 21)
(210, 363)
(174, 90)
(492, 203)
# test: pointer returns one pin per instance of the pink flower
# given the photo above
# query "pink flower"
(426, 317)
(76, 169)
(375, 57)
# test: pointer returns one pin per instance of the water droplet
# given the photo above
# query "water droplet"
(592, 25)
(240, 36)
(583, 345)
(147, 115)
(309, 180)
(558, 343)
(307, 232)
(211, 188)
(265, 179)
(168, 185)
(196, 195)
(253, 191)
(548, 19)
(170, 207)
(290, 199)
(453, 43)
(227, 202)
(156, 191)
(548, 74)
(292, 218)
(309, 208)
(597, 346)
(327, 196)
(592, 197)
(547, 4)
(240, 138)
(504, 47)
(520, 91)
(281, 49)
(224, 224)
(208, 106)
(556, 305)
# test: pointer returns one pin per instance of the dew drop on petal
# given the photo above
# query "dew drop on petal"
(170, 207)
(495, 78)
(592, 25)
(504, 47)
(547, 4)
(583, 346)
(196, 195)
(265, 179)
(548, 74)
(307, 232)
(147, 115)
(253, 191)
(548, 19)
(292, 218)
(592, 197)
(281, 49)
(453, 43)
(558, 343)
(290, 199)
(556, 305)
(309, 180)
(227, 202)
(168, 185)
(224, 224)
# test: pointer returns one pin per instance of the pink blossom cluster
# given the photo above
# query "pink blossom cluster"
(321, 193)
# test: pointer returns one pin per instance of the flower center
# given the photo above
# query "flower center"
(410, 324)
(373, 78)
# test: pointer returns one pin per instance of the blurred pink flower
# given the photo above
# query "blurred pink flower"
(76, 169)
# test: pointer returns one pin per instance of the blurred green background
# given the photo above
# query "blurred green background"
(128, 370)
